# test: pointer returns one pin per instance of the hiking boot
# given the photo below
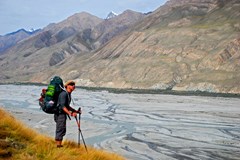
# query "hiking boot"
(59, 146)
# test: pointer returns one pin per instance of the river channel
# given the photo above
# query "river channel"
(140, 126)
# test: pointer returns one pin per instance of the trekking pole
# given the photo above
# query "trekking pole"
(79, 129)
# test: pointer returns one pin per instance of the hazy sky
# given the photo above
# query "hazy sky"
(27, 14)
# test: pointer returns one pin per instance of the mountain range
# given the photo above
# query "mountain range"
(13, 38)
(188, 45)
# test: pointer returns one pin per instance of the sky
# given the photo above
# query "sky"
(31, 14)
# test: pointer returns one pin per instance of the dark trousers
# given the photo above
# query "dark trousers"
(60, 120)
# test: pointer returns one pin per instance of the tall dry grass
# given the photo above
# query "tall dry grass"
(20, 142)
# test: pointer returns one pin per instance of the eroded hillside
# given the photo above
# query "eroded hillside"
(191, 45)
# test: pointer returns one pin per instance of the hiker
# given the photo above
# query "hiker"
(65, 110)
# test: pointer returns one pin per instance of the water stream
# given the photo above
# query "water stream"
(140, 126)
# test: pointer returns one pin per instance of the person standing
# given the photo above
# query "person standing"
(64, 111)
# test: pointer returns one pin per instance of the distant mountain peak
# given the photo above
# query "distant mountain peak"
(111, 15)
(18, 31)
(32, 30)
(22, 30)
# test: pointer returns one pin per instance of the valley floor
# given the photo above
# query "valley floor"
(141, 126)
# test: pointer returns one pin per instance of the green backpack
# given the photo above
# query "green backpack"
(49, 98)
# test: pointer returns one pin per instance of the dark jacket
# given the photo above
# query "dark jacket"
(64, 100)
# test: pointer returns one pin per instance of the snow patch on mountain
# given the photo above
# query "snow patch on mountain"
(111, 15)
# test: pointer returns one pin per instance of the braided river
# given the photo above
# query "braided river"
(140, 126)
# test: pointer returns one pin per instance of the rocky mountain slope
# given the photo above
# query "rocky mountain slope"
(181, 46)
(184, 45)
(78, 35)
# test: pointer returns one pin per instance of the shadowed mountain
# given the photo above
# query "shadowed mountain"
(190, 45)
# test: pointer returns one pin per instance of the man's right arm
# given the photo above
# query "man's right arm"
(63, 100)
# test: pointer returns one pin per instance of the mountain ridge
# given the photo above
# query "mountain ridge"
(10, 39)
(185, 70)
(187, 46)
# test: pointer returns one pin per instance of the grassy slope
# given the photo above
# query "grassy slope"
(20, 142)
